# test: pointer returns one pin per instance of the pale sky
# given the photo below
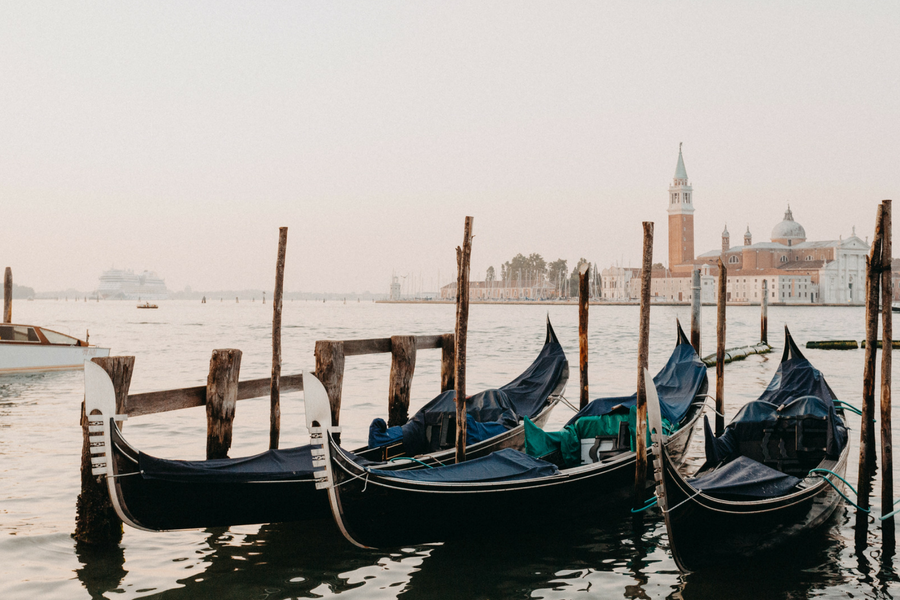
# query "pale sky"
(178, 136)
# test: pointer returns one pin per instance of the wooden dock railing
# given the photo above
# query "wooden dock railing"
(96, 521)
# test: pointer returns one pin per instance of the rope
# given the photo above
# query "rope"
(685, 500)
(412, 459)
(848, 406)
(567, 403)
(648, 504)
(831, 483)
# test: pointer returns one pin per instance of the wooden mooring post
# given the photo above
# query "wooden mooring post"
(463, 256)
(96, 521)
(275, 388)
(640, 426)
(330, 371)
(867, 420)
(403, 365)
(7, 295)
(887, 337)
(764, 314)
(221, 398)
(696, 300)
(720, 348)
(448, 362)
(583, 302)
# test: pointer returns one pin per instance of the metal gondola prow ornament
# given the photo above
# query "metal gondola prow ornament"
(657, 437)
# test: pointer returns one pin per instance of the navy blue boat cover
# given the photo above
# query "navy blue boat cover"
(272, 465)
(745, 478)
(677, 384)
(490, 412)
(503, 465)
(798, 392)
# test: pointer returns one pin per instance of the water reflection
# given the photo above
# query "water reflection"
(102, 570)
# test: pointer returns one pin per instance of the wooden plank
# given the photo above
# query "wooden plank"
(221, 396)
(358, 347)
(640, 433)
(403, 365)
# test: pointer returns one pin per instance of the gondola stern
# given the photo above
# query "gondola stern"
(680, 337)
(551, 334)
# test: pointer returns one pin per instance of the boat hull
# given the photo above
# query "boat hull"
(380, 512)
(705, 531)
(28, 358)
(163, 505)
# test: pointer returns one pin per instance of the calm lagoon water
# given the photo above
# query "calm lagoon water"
(40, 445)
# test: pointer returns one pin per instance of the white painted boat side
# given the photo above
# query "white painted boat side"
(28, 358)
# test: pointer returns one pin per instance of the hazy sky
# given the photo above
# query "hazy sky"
(178, 136)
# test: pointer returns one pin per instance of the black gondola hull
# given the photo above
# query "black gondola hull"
(705, 531)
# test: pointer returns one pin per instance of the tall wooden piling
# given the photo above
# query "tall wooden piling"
(96, 521)
(7, 296)
(221, 398)
(330, 371)
(866, 437)
(275, 386)
(696, 299)
(448, 362)
(583, 300)
(640, 433)
(764, 314)
(720, 348)
(403, 365)
(463, 256)
(887, 336)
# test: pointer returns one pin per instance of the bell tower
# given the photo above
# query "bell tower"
(681, 219)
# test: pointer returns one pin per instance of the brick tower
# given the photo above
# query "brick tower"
(681, 220)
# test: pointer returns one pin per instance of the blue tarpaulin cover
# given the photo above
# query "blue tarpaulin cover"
(489, 412)
(677, 384)
(745, 478)
(272, 465)
(797, 404)
(503, 465)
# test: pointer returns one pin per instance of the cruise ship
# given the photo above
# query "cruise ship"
(121, 284)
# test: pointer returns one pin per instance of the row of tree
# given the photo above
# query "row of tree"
(533, 270)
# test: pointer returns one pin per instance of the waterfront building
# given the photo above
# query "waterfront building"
(797, 271)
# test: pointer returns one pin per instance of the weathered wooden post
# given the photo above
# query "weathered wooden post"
(275, 386)
(221, 397)
(448, 362)
(583, 298)
(463, 256)
(720, 348)
(330, 371)
(96, 521)
(887, 336)
(640, 426)
(764, 314)
(696, 299)
(866, 441)
(7, 296)
(403, 365)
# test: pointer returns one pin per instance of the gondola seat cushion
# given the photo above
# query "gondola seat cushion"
(744, 478)
(504, 465)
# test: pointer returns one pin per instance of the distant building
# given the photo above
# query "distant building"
(503, 290)
(796, 271)
(395, 288)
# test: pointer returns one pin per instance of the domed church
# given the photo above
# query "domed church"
(796, 271)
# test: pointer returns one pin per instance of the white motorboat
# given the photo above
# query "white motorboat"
(29, 348)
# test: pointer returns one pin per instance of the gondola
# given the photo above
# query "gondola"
(278, 485)
(772, 476)
(375, 507)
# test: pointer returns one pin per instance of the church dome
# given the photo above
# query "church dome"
(789, 229)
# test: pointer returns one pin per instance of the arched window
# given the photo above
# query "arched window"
(674, 197)
(809, 257)
(784, 259)
(734, 259)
